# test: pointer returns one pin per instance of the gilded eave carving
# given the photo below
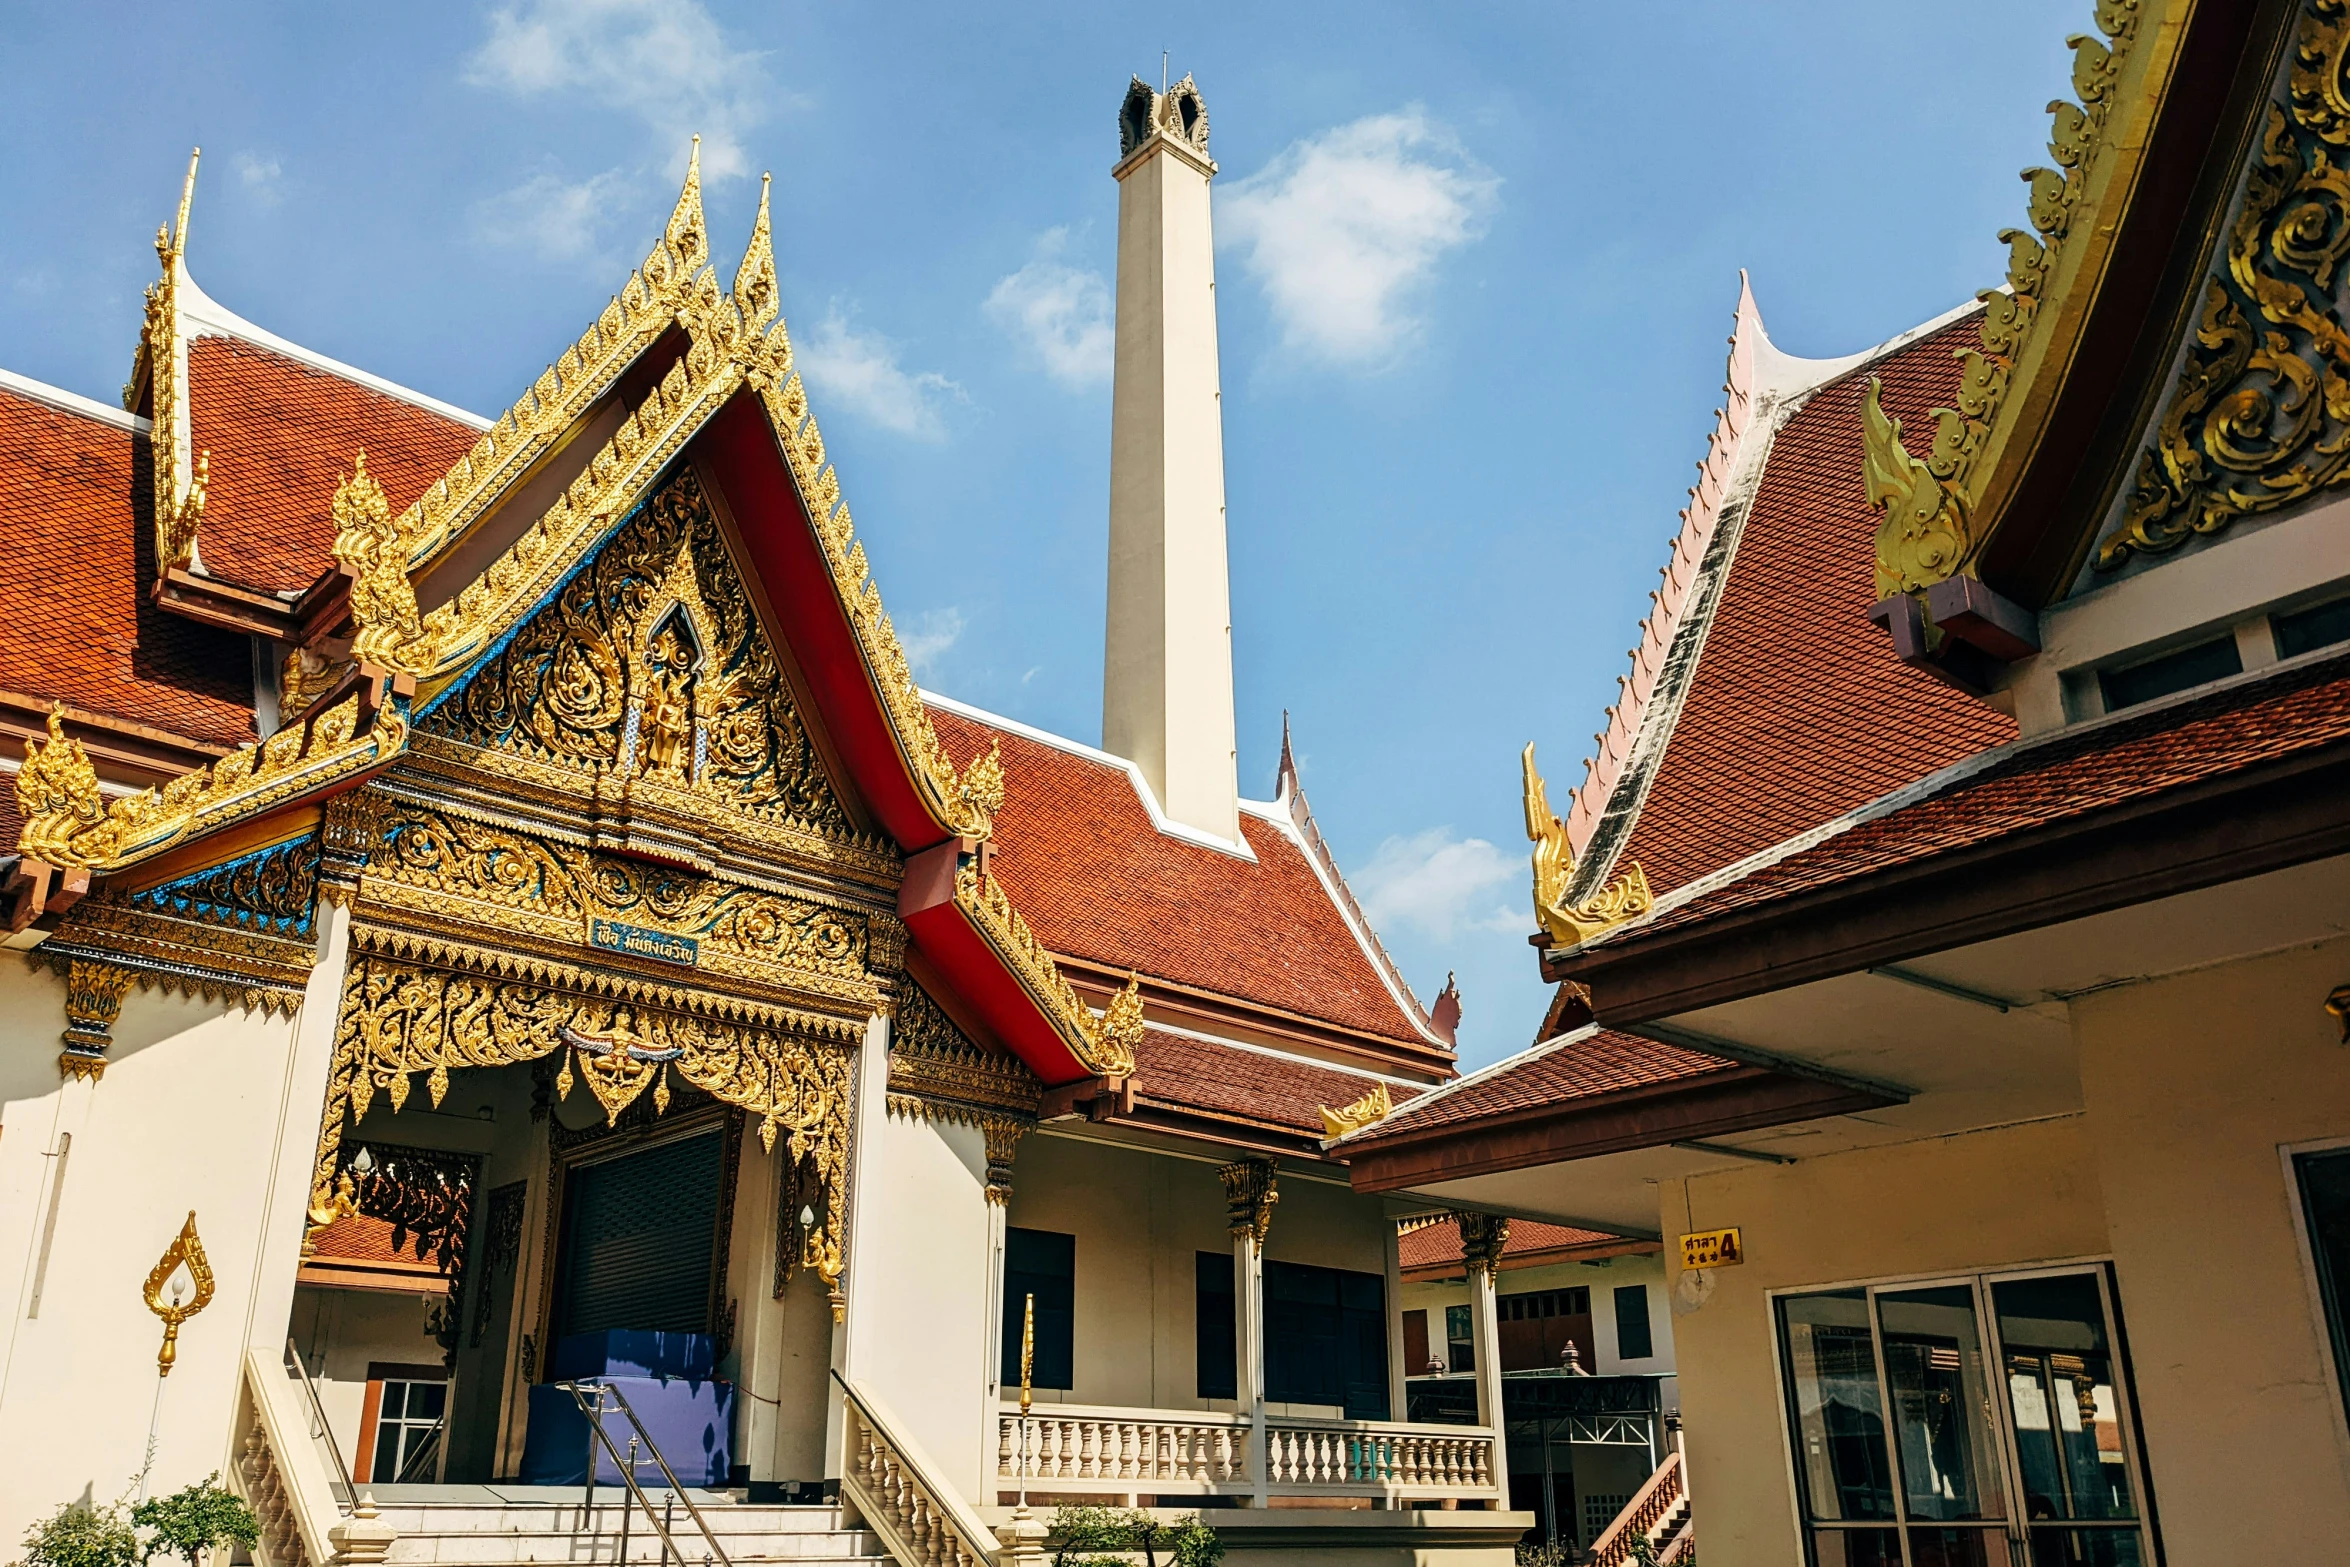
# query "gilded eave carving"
(935, 1070)
(1566, 920)
(1938, 509)
(2259, 417)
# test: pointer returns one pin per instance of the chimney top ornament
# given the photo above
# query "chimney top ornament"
(1179, 113)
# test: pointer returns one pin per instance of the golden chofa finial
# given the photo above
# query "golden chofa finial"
(1568, 924)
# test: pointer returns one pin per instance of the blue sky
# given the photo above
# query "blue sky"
(1476, 267)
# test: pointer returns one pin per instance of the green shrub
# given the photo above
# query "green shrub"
(82, 1534)
(186, 1524)
(1186, 1542)
(194, 1519)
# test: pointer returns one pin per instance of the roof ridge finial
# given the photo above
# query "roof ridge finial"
(172, 244)
(756, 294)
(1285, 776)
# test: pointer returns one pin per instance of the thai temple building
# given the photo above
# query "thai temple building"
(1951, 936)
(536, 1040)
(525, 1006)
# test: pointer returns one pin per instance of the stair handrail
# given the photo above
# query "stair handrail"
(296, 1496)
(339, 1473)
(1650, 1503)
(963, 1524)
(594, 1414)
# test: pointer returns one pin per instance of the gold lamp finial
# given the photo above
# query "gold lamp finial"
(185, 1250)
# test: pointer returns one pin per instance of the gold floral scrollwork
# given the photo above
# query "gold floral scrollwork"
(1370, 1110)
(1003, 1143)
(2260, 414)
(1250, 1191)
(175, 1306)
(368, 546)
(1566, 922)
(1924, 535)
(399, 1021)
(1484, 1237)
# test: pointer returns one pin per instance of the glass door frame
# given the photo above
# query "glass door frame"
(2015, 1530)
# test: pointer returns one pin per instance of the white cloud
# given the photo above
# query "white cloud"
(1342, 230)
(1060, 313)
(666, 61)
(259, 176)
(1440, 885)
(859, 371)
(552, 217)
(932, 633)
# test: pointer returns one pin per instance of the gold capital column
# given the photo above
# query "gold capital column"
(93, 1001)
(1249, 1195)
(1483, 1236)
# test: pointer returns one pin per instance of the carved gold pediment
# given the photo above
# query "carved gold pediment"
(516, 894)
(651, 683)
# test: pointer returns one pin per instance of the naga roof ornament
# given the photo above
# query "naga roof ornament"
(1568, 923)
(1932, 505)
(160, 370)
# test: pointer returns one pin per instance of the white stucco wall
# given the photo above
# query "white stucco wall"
(203, 1106)
(917, 1276)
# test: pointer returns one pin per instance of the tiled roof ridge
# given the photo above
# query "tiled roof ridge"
(63, 401)
(208, 317)
(2072, 740)
(1764, 387)
(1437, 1095)
(1289, 792)
(1167, 826)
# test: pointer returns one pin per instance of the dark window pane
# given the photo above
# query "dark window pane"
(2194, 666)
(1459, 1339)
(2087, 1548)
(2321, 626)
(1041, 1263)
(1214, 1333)
(424, 1400)
(2325, 1197)
(1959, 1548)
(1319, 1351)
(395, 1396)
(1940, 1382)
(1839, 1418)
(1856, 1548)
(1633, 1341)
(2060, 1392)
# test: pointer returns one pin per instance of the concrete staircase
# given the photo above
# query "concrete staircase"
(494, 1525)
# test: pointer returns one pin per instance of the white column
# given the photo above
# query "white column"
(1485, 1330)
(872, 1107)
(1167, 659)
(1248, 1344)
(1396, 1369)
(991, 1374)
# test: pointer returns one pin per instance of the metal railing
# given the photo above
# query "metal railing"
(590, 1397)
(322, 1431)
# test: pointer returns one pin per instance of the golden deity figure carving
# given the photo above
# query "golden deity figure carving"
(1569, 923)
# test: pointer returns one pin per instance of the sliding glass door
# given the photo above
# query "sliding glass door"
(1975, 1422)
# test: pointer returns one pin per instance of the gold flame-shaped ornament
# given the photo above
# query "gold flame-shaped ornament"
(188, 1249)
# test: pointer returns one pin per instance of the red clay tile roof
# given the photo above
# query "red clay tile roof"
(1798, 710)
(2066, 775)
(1077, 851)
(1434, 1245)
(281, 434)
(1590, 1067)
(1207, 1077)
(75, 622)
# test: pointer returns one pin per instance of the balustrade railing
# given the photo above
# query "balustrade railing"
(306, 1510)
(1118, 1452)
(1650, 1506)
(922, 1522)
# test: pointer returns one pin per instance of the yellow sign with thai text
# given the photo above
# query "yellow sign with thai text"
(1712, 1249)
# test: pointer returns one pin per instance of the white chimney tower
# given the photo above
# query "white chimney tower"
(1167, 669)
